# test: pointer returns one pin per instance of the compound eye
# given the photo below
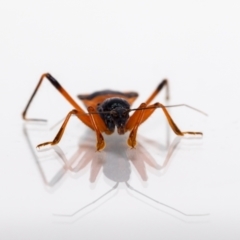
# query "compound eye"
(114, 113)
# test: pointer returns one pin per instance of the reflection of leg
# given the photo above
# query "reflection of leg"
(57, 176)
(171, 149)
(71, 215)
(163, 204)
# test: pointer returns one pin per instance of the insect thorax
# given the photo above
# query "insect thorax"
(114, 112)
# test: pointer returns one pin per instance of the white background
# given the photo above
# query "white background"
(122, 45)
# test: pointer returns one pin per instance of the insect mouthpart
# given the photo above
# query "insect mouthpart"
(121, 129)
(120, 116)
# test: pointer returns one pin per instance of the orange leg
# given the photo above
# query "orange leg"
(133, 123)
(158, 89)
(81, 114)
(143, 115)
(98, 126)
(133, 119)
(59, 135)
(137, 118)
(94, 120)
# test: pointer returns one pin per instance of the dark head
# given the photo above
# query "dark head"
(114, 112)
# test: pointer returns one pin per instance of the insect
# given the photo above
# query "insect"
(107, 110)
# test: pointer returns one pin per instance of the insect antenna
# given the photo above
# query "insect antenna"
(165, 205)
(169, 106)
(76, 114)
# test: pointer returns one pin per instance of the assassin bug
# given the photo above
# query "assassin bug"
(109, 109)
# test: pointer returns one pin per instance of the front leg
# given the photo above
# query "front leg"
(59, 135)
(142, 114)
(98, 126)
(133, 123)
(93, 122)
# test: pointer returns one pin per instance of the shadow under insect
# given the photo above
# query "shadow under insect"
(115, 161)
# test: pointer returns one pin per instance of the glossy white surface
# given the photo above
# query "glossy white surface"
(122, 45)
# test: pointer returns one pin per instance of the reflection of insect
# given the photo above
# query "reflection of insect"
(107, 110)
